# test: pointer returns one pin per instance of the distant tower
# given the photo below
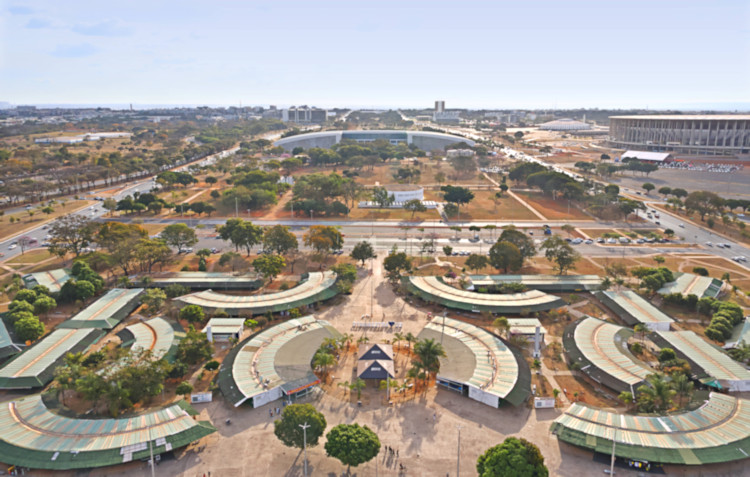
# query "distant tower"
(584, 117)
(439, 106)
(131, 106)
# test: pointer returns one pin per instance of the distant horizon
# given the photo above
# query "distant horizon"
(717, 108)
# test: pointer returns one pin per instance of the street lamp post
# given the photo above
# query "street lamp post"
(304, 441)
(612, 463)
(458, 453)
(445, 313)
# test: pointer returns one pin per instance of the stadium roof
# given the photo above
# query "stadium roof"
(647, 156)
(52, 279)
(632, 308)
(564, 124)
(691, 284)
(213, 280)
(702, 117)
(7, 347)
(35, 366)
(35, 437)
(718, 431)
(276, 356)
(316, 287)
(601, 350)
(546, 283)
(433, 289)
(479, 359)
(107, 311)
(707, 358)
(157, 335)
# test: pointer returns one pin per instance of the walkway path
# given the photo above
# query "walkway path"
(512, 194)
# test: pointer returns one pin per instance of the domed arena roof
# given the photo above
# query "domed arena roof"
(565, 124)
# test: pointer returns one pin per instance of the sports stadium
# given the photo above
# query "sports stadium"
(424, 140)
(714, 135)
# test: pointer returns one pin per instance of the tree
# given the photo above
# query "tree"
(559, 252)
(288, 430)
(203, 253)
(514, 457)
(269, 265)
(279, 239)
(43, 304)
(179, 235)
(457, 195)
(71, 234)
(154, 298)
(428, 353)
(184, 388)
(703, 202)
(655, 398)
(382, 197)
(149, 252)
(192, 314)
(447, 250)
(363, 251)
(502, 325)
(648, 187)
(505, 256)
(241, 234)
(567, 228)
(395, 263)
(352, 444)
(28, 328)
(323, 239)
(414, 206)
(110, 205)
(683, 387)
(667, 354)
(84, 289)
(665, 191)
(524, 243)
(194, 347)
(476, 262)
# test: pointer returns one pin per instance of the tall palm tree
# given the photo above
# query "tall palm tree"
(397, 337)
(428, 353)
(683, 386)
(323, 360)
(345, 385)
(657, 397)
(358, 386)
(332, 344)
(641, 330)
(346, 340)
(410, 338)
(363, 339)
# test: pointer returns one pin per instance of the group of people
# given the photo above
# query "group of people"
(391, 453)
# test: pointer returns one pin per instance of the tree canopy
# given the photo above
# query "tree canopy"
(352, 444)
(515, 457)
(288, 429)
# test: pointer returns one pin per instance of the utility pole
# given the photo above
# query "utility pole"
(236, 208)
(458, 454)
(304, 440)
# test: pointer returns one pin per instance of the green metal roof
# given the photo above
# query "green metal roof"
(315, 288)
(107, 311)
(600, 348)
(691, 284)
(52, 279)
(741, 333)
(433, 289)
(35, 366)
(277, 355)
(632, 308)
(215, 280)
(158, 335)
(546, 283)
(709, 359)
(35, 437)
(7, 348)
(718, 431)
(496, 369)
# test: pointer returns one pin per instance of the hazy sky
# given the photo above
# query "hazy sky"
(475, 54)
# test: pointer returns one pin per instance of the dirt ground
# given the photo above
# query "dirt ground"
(553, 209)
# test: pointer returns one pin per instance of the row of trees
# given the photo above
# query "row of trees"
(353, 445)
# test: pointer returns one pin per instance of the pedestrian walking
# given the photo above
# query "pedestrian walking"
(396, 456)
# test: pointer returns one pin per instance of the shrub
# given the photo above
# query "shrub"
(636, 348)
(702, 271)
(212, 365)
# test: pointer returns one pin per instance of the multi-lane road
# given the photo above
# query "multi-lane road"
(384, 235)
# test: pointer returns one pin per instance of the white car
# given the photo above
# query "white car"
(12, 246)
(709, 244)
(682, 226)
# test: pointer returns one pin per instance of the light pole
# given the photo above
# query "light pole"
(304, 441)
(458, 452)
(443, 330)
(151, 451)
(612, 463)
(311, 214)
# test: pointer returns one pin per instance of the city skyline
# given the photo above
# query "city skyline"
(539, 55)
